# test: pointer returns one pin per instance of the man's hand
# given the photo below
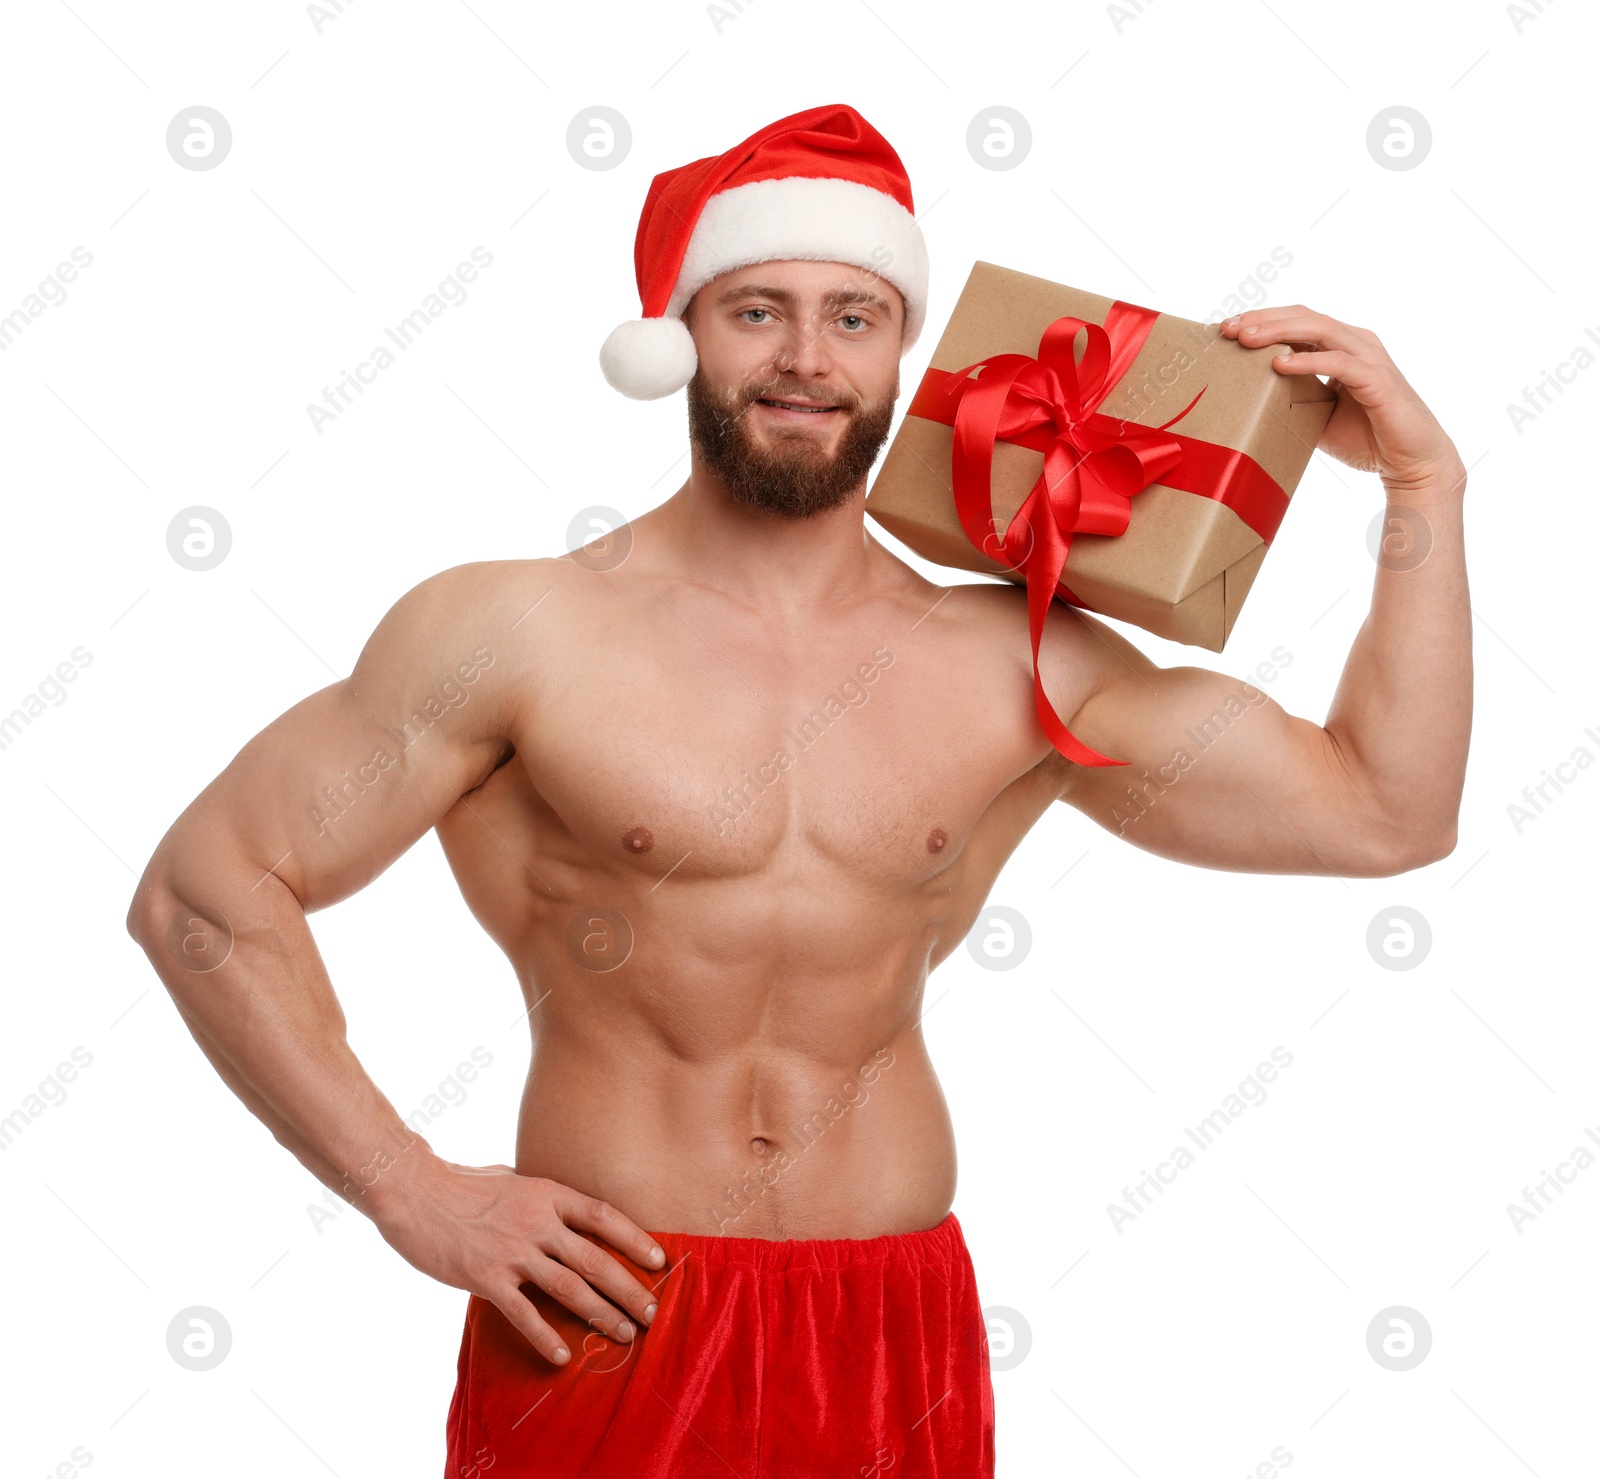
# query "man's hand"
(1379, 423)
(488, 1230)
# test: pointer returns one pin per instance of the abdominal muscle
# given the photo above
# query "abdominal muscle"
(643, 1100)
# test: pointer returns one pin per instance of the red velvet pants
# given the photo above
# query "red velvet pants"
(850, 1358)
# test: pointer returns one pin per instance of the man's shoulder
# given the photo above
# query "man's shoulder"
(479, 611)
(1073, 638)
(975, 631)
(995, 611)
(957, 604)
(987, 621)
(488, 593)
(494, 577)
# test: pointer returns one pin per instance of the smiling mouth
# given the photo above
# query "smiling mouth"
(797, 408)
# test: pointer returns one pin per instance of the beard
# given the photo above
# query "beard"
(790, 473)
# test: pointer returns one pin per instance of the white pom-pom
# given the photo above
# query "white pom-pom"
(647, 358)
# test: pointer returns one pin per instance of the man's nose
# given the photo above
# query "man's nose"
(805, 351)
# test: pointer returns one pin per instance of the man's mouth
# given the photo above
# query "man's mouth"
(797, 407)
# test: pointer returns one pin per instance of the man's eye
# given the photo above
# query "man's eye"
(856, 316)
(753, 310)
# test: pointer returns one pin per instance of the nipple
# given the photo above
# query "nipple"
(640, 839)
(937, 839)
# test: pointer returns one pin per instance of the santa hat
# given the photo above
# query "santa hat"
(821, 186)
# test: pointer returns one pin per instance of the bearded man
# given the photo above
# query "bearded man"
(726, 786)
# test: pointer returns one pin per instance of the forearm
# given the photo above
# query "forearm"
(1402, 714)
(268, 1020)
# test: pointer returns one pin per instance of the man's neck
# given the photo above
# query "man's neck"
(790, 568)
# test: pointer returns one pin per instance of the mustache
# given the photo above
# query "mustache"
(758, 390)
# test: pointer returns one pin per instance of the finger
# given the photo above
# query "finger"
(568, 1287)
(597, 1216)
(1281, 326)
(1254, 317)
(1361, 376)
(608, 1276)
(1269, 312)
(604, 1273)
(519, 1310)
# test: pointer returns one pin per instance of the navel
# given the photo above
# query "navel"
(640, 839)
(937, 839)
(759, 1145)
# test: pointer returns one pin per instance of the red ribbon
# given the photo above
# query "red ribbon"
(1093, 464)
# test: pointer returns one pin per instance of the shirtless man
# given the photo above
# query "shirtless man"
(722, 905)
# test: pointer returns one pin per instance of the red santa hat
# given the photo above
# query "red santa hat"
(823, 185)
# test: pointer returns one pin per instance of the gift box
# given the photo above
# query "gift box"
(1131, 462)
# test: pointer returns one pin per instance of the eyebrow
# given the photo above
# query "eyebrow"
(835, 299)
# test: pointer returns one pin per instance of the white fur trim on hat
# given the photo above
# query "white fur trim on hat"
(647, 358)
(808, 219)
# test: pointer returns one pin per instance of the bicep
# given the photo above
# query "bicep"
(1220, 775)
(334, 790)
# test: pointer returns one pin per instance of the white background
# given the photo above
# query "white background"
(1172, 151)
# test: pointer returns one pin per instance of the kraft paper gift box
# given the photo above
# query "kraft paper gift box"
(1185, 560)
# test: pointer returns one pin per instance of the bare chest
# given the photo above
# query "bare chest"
(868, 763)
(849, 761)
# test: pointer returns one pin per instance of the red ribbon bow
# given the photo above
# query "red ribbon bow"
(1093, 464)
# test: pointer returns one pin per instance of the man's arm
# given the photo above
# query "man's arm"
(309, 811)
(1219, 774)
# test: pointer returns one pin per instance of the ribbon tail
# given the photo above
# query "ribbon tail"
(1045, 560)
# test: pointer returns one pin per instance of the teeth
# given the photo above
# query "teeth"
(786, 406)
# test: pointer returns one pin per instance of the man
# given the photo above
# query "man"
(725, 787)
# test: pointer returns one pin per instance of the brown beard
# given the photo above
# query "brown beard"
(792, 476)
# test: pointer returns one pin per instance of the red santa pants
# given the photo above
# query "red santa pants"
(851, 1358)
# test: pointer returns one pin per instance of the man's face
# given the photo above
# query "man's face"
(822, 334)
